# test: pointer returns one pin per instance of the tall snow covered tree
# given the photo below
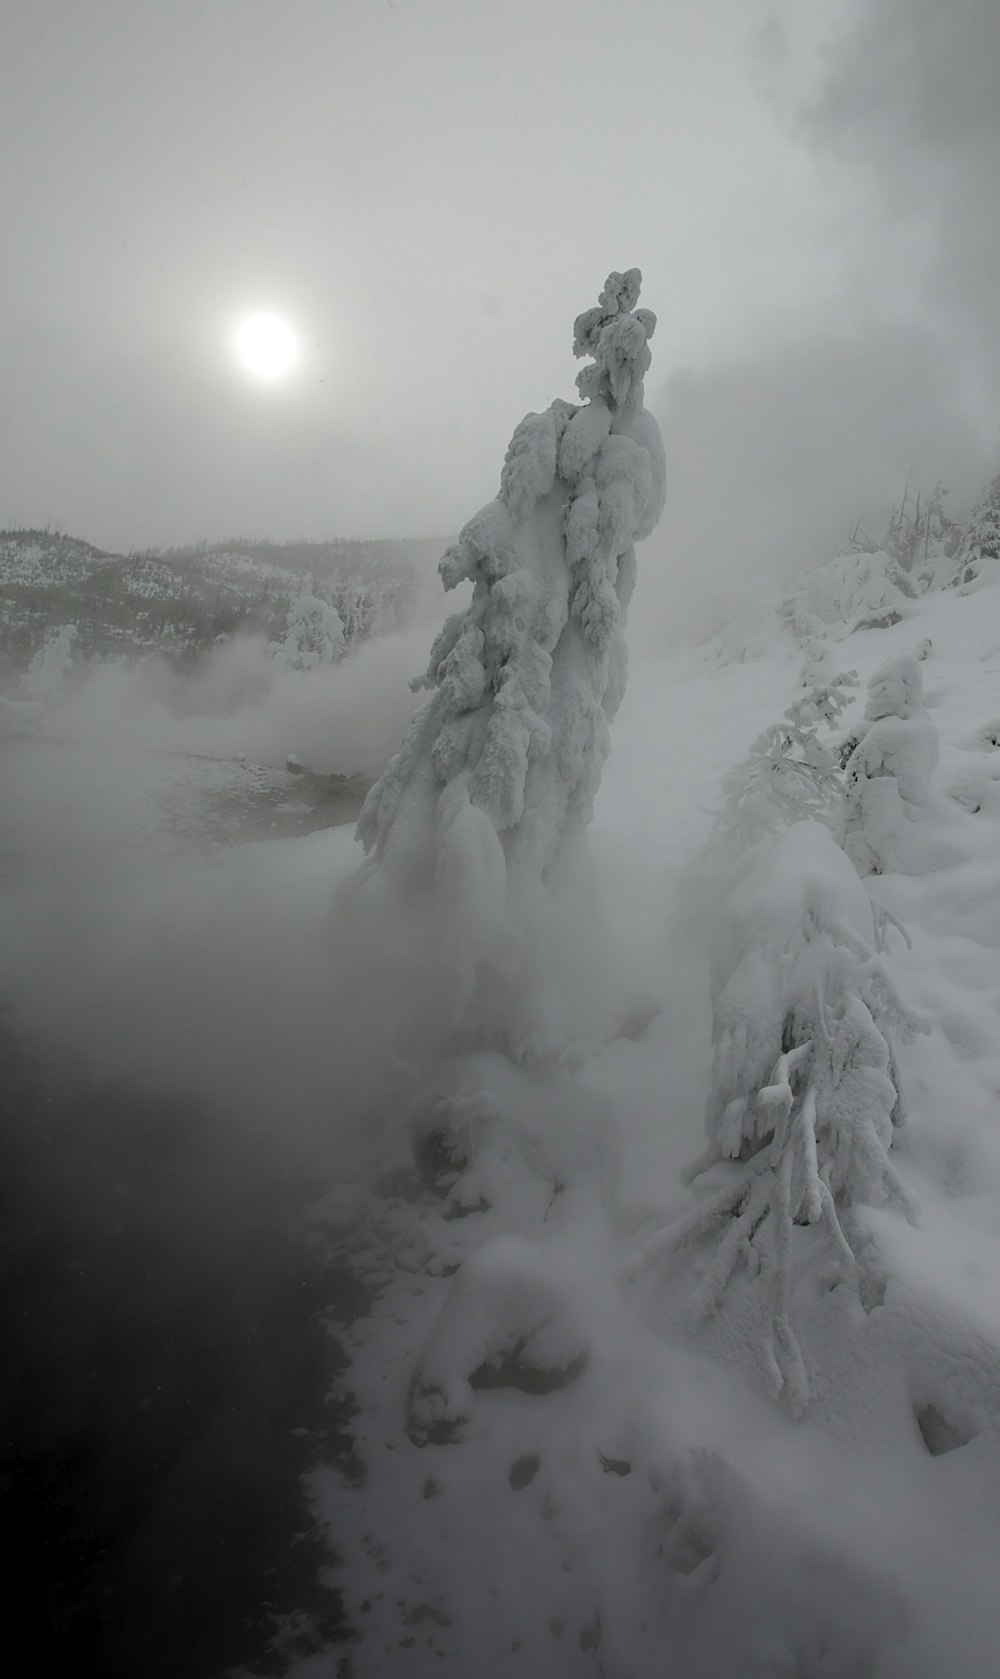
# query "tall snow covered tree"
(485, 803)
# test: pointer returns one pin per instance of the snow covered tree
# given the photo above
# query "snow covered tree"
(981, 537)
(376, 601)
(47, 672)
(486, 802)
(920, 531)
(805, 1090)
(314, 635)
(359, 607)
(791, 771)
(889, 774)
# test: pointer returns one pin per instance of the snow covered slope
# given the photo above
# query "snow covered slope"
(566, 1472)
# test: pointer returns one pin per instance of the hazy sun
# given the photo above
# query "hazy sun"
(267, 346)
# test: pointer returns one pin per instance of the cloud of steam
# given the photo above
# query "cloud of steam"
(228, 974)
(892, 373)
(220, 1041)
(906, 96)
(343, 719)
(774, 458)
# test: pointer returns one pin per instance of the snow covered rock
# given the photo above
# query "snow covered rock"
(507, 1321)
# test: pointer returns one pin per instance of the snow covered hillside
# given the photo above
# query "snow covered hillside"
(570, 1469)
(177, 602)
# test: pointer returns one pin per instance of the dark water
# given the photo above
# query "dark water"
(165, 1365)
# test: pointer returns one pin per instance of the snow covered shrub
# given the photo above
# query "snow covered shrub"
(314, 635)
(791, 772)
(483, 809)
(853, 591)
(889, 774)
(46, 676)
(805, 1088)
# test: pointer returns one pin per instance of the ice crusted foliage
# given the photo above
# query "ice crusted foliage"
(805, 1090)
(314, 635)
(486, 802)
(791, 772)
(889, 775)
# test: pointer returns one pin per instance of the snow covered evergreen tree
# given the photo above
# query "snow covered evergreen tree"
(889, 774)
(805, 1090)
(981, 537)
(314, 635)
(485, 804)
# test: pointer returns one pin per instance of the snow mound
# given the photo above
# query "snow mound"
(508, 1321)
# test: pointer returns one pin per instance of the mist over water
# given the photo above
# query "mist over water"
(189, 1056)
(168, 1357)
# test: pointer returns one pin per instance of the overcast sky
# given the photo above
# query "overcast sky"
(430, 190)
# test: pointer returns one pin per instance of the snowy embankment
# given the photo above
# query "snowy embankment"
(566, 1471)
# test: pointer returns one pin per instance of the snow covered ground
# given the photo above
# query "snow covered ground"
(566, 1473)
(557, 1469)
